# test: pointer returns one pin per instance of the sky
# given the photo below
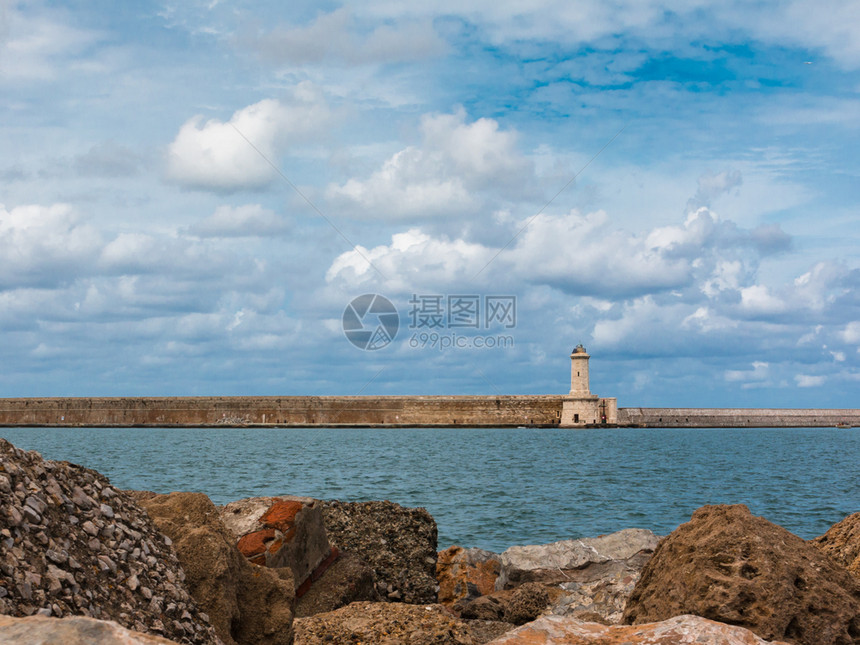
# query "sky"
(205, 198)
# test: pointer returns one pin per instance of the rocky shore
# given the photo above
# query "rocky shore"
(84, 562)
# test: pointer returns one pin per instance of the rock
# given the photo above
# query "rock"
(398, 543)
(385, 624)
(69, 556)
(680, 630)
(246, 604)
(526, 603)
(729, 566)
(483, 631)
(465, 574)
(597, 575)
(77, 630)
(842, 543)
(348, 579)
(282, 531)
(490, 607)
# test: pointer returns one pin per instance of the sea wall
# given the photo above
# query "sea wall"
(489, 411)
(736, 417)
(473, 411)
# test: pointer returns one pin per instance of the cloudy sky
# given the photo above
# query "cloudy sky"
(192, 193)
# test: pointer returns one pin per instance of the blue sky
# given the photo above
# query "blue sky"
(193, 193)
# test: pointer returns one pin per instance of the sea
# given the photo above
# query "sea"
(492, 488)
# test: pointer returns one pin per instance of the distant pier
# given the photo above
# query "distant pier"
(386, 411)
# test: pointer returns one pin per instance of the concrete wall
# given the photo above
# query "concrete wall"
(735, 417)
(288, 411)
(486, 411)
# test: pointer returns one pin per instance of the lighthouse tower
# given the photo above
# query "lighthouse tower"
(579, 371)
(580, 407)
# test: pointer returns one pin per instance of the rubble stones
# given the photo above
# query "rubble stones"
(398, 543)
(51, 566)
(727, 565)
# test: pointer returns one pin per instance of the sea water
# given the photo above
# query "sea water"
(492, 488)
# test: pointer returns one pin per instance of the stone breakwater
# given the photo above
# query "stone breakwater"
(393, 411)
(83, 562)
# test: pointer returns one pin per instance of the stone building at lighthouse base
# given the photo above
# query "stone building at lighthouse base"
(580, 407)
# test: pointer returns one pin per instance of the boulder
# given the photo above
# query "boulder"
(73, 545)
(465, 574)
(282, 531)
(398, 543)
(596, 575)
(842, 543)
(527, 602)
(729, 566)
(348, 579)
(76, 630)
(680, 630)
(384, 623)
(248, 605)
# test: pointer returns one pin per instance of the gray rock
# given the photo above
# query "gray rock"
(596, 575)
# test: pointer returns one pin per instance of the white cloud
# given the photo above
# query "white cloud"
(757, 299)
(44, 245)
(851, 333)
(760, 372)
(38, 47)
(412, 260)
(338, 37)
(808, 380)
(249, 220)
(225, 157)
(456, 161)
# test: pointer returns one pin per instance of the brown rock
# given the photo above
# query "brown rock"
(465, 574)
(246, 604)
(399, 543)
(281, 531)
(384, 624)
(526, 603)
(729, 566)
(680, 630)
(842, 543)
(490, 607)
(348, 579)
(77, 630)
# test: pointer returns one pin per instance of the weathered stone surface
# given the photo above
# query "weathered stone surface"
(596, 575)
(842, 543)
(384, 623)
(76, 630)
(729, 566)
(680, 630)
(348, 579)
(247, 605)
(74, 545)
(465, 574)
(398, 543)
(586, 558)
(281, 531)
(527, 602)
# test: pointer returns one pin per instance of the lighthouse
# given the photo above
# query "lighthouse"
(580, 407)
